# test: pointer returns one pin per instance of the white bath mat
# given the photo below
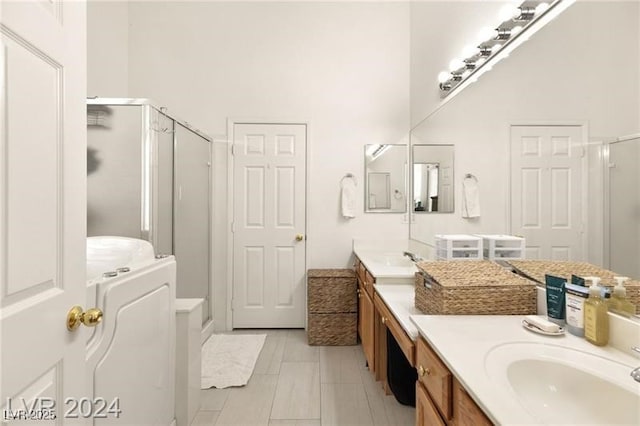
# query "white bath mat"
(229, 359)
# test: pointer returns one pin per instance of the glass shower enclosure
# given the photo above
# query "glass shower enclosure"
(622, 205)
(149, 177)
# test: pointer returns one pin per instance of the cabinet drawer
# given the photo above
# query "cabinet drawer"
(404, 341)
(465, 410)
(426, 413)
(435, 376)
(369, 281)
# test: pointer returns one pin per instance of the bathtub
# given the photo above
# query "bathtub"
(131, 353)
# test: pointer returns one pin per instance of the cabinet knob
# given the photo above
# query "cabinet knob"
(384, 320)
(422, 371)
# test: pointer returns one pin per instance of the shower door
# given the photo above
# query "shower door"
(623, 211)
(191, 216)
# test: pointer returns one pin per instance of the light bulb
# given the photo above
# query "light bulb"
(541, 8)
(469, 50)
(480, 61)
(515, 30)
(485, 33)
(508, 12)
(443, 76)
(455, 64)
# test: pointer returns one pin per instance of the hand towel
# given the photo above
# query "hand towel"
(348, 198)
(470, 198)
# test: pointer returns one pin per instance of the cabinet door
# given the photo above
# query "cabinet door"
(426, 412)
(367, 328)
(360, 292)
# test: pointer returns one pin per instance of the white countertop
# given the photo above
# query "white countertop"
(464, 342)
(399, 298)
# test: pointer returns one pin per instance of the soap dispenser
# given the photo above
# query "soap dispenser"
(619, 302)
(596, 317)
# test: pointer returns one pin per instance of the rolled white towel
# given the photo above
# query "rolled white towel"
(348, 198)
(471, 197)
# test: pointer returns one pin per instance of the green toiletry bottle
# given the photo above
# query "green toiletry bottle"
(596, 317)
(619, 302)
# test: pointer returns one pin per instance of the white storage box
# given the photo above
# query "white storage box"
(503, 247)
(458, 247)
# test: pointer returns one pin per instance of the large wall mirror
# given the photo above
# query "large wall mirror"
(432, 178)
(528, 92)
(385, 178)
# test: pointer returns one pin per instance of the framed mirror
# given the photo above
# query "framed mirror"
(432, 178)
(385, 180)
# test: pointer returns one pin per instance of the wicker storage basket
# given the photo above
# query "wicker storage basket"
(472, 288)
(332, 329)
(332, 306)
(331, 290)
(536, 270)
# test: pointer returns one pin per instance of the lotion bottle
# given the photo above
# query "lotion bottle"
(596, 317)
(619, 302)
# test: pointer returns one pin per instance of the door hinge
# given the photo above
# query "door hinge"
(233, 150)
(233, 305)
(233, 226)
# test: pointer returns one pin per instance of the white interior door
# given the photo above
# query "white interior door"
(445, 192)
(269, 225)
(546, 190)
(42, 206)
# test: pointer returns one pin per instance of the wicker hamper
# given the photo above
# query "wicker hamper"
(472, 288)
(332, 306)
(536, 270)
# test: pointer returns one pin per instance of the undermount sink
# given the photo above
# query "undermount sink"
(560, 385)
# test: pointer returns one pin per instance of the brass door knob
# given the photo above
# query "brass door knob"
(384, 320)
(422, 371)
(76, 316)
(299, 237)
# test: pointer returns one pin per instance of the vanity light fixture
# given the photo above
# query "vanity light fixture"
(531, 15)
(374, 151)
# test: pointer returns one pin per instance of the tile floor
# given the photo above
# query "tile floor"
(301, 385)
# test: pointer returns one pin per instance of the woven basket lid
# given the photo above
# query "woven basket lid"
(465, 273)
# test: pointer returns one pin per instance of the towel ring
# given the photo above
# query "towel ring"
(349, 176)
(470, 176)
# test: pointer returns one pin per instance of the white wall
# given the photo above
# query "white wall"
(572, 70)
(343, 67)
(440, 30)
(107, 48)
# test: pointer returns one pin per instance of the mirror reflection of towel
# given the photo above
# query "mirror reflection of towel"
(348, 199)
(470, 197)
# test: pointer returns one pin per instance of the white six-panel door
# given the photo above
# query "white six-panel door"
(42, 205)
(269, 225)
(546, 190)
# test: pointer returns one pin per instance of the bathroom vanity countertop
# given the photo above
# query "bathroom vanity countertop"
(464, 344)
(399, 298)
(390, 266)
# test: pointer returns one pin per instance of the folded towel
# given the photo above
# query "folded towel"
(470, 198)
(348, 198)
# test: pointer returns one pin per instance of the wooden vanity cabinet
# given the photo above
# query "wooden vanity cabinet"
(366, 313)
(440, 398)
